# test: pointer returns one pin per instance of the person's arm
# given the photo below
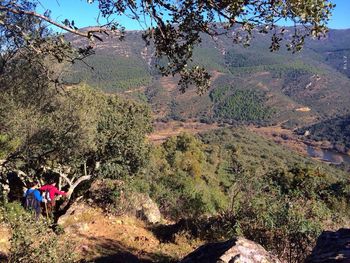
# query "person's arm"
(44, 188)
(58, 192)
(38, 196)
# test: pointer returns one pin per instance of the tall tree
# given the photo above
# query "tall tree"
(72, 133)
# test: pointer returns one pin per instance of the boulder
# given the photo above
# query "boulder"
(331, 247)
(146, 208)
(73, 213)
(237, 250)
(81, 227)
(129, 202)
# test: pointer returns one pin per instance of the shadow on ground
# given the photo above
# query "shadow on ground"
(167, 233)
(204, 228)
(3, 257)
(116, 252)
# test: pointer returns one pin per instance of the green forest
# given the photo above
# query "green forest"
(115, 74)
(242, 105)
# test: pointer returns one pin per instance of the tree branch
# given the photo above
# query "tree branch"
(65, 177)
(73, 186)
(88, 34)
(80, 180)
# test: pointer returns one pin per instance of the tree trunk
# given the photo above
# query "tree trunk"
(72, 187)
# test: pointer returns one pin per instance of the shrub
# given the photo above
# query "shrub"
(33, 241)
(110, 195)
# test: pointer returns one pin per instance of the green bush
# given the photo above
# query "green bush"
(245, 185)
(113, 196)
(33, 241)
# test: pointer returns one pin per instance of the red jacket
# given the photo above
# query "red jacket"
(52, 191)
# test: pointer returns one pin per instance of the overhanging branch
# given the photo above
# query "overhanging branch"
(88, 34)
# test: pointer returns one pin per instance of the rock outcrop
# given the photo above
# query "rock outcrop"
(73, 213)
(132, 203)
(238, 250)
(147, 209)
(331, 247)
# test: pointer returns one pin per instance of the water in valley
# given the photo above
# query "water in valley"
(328, 155)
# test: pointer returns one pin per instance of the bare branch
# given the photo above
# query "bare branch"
(65, 177)
(73, 186)
(87, 34)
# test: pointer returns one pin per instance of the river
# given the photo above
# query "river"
(328, 155)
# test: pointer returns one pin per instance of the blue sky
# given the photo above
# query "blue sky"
(85, 14)
(341, 15)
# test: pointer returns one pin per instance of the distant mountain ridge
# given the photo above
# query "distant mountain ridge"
(270, 87)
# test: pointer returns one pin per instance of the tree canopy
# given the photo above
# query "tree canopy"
(72, 135)
(70, 131)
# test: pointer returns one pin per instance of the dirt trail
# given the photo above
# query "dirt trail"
(97, 237)
(169, 83)
(143, 88)
(162, 131)
(4, 242)
(101, 238)
(215, 74)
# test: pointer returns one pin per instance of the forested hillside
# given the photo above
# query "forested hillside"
(83, 178)
(279, 87)
(334, 50)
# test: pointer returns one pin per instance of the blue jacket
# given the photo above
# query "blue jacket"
(37, 194)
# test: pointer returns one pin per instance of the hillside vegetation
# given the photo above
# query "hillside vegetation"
(336, 131)
(80, 177)
(234, 182)
(312, 78)
(214, 185)
(111, 74)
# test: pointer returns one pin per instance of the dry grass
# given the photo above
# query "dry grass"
(112, 238)
(162, 131)
(5, 236)
(277, 134)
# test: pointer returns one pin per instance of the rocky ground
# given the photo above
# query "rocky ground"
(102, 238)
(4, 241)
(98, 237)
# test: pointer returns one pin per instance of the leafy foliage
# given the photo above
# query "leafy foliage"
(175, 36)
(232, 182)
(183, 179)
(33, 241)
(75, 133)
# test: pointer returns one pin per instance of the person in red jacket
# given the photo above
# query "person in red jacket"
(50, 191)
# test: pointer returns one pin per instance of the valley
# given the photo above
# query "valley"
(281, 93)
(323, 152)
(249, 85)
(267, 118)
(164, 130)
(181, 141)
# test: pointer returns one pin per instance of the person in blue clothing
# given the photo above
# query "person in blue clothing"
(33, 199)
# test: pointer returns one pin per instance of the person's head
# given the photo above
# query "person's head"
(52, 182)
(32, 184)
